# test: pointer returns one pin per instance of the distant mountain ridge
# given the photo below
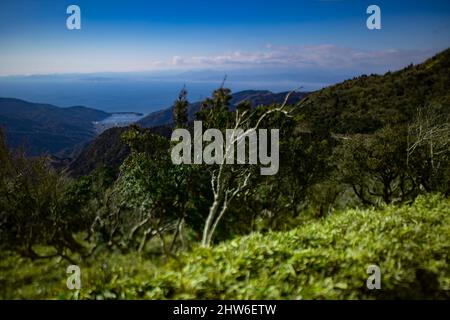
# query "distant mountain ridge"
(360, 105)
(45, 128)
(255, 97)
(106, 150)
(62, 132)
(109, 150)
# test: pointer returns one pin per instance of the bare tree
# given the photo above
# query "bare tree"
(432, 131)
(230, 181)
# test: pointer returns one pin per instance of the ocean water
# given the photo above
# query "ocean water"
(111, 96)
(120, 94)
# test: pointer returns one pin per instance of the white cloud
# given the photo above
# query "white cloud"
(325, 56)
(177, 61)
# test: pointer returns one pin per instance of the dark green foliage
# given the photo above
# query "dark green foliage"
(326, 259)
(107, 150)
(254, 97)
(323, 260)
(43, 128)
(33, 207)
(366, 104)
(375, 166)
(152, 197)
(180, 110)
(215, 111)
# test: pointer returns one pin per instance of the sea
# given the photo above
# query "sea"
(108, 95)
(112, 95)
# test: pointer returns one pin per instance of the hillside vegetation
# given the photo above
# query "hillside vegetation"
(358, 163)
(361, 105)
(255, 97)
(326, 259)
(367, 103)
(43, 128)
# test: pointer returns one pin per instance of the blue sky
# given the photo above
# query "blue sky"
(132, 35)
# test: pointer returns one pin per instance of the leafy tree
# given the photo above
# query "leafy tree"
(33, 207)
(152, 197)
(215, 111)
(375, 166)
(180, 109)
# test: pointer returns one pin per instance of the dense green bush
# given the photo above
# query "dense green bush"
(326, 259)
(35, 209)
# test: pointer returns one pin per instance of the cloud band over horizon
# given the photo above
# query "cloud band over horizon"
(130, 36)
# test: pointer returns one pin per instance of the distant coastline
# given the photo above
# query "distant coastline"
(117, 119)
(129, 113)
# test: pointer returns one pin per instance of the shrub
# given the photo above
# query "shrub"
(327, 259)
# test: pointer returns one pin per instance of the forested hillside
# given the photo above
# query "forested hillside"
(254, 97)
(367, 103)
(43, 128)
(363, 178)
